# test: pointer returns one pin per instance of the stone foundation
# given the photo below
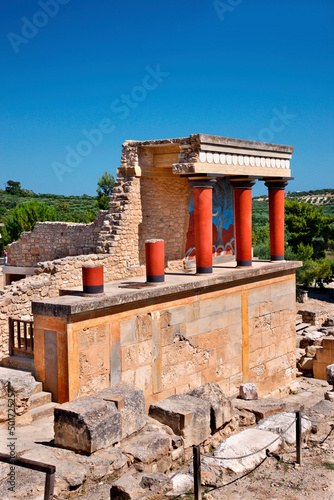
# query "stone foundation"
(173, 338)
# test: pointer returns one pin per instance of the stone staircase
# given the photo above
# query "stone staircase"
(41, 404)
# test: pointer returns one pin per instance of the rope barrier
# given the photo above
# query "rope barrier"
(213, 457)
(253, 452)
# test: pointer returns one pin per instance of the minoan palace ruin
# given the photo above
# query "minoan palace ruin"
(218, 316)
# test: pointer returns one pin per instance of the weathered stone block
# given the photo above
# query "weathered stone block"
(221, 406)
(130, 402)
(188, 416)
(87, 424)
(148, 446)
(15, 384)
(330, 374)
(248, 391)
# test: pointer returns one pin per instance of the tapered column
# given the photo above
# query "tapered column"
(243, 221)
(202, 193)
(276, 218)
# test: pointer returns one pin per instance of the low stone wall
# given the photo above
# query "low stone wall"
(172, 345)
(315, 317)
(53, 240)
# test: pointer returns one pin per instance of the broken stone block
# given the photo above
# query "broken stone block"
(314, 338)
(329, 321)
(221, 406)
(311, 351)
(153, 480)
(126, 488)
(188, 416)
(246, 418)
(248, 391)
(147, 447)
(262, 408)
(130, 402)
(305, 364)
(18, 385)
(330, 374)
(87, 425)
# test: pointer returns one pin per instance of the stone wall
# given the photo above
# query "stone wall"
(165, 203)
(229, 336)
(54, 240)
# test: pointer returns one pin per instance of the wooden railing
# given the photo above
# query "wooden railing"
(21, 338)
(49, 470)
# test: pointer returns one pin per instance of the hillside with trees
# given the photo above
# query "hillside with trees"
(309, 233)
(21, 208)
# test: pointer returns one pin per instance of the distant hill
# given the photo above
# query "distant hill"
(68, 208)
(319, 197)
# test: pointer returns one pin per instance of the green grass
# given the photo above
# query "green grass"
(329, 465)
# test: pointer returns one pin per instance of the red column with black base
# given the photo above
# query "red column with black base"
(202, 193)
(243, 221)
(155, 261)
(92, 279)
(276, 196)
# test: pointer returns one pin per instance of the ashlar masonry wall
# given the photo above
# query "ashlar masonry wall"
(229, 336)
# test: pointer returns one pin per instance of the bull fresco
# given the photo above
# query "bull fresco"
(222, 221)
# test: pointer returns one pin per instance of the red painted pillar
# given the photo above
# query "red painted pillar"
(202, 193)
(243, 220)
(155, 261)
(92, 279)
(276, 218)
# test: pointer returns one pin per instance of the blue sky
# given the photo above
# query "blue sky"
(150, 70)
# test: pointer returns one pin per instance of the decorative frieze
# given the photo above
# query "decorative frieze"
(243, 160)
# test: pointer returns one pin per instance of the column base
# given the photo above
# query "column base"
(203, 270)
(244, 263)
(155, 279)
(92, 289)
(275, 258)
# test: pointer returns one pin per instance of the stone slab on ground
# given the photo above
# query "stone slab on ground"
(262, 408)
(188, 416)
(87, 424)
(279, 422)
(244, 443)
(221, 406)
(15, 384)
(324, 408)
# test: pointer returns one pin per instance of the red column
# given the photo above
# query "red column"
(92, 279)
(276, 218)
(202, 193)
(243, 221)
(155, 261)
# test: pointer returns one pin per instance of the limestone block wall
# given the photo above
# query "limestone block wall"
(53, 240)
(229, 336)
(165, 215)
(324, 357)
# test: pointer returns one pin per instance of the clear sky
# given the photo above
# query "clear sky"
(80, 77)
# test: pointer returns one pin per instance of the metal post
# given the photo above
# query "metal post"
(299, 437)
(49, 485)
(197, 473)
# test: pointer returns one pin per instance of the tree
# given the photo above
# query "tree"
(105, 186)
(13, 187)
(307, 224)
(24, 217)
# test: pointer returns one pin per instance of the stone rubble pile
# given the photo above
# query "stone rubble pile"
(310, 341)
